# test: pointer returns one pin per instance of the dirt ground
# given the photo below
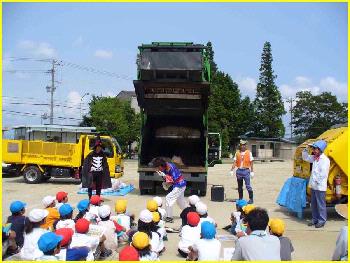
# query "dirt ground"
(309, 243)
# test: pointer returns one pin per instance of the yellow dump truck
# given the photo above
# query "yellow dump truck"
(38, 161)
(337, 152)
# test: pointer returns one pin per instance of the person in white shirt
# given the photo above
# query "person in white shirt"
(207, 248)
(145, 224)
(141, 241)
(258, 244)
(243, 161)
(202, 211)
(190, 233)
(341, 249)
(49, 244)
(95, 203)
(104, 213)
(30, 249)
(161, 210)
(318, 182)
(66, 215)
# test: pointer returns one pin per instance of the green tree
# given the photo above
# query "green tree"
(113, 117)
(213, 66)
(312, 115)
(268, 104)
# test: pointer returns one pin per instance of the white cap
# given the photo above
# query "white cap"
(193, 199)
(48, 200)
(146, 216)
(36, 215)
(104, 211)
(158, 200)
(201, 208)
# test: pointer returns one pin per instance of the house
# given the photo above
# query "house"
(131, 96)
(270, 148)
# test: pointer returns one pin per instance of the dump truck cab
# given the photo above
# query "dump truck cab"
(172, 90)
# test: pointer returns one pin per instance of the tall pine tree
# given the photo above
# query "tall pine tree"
(213, 66)
(268, 104)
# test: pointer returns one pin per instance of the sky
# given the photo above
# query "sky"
(309, 47)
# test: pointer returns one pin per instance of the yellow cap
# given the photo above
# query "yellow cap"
(120, 206)
(248, 208)
(140, 240)
(156, 217)
(277, 226)
(152, 205)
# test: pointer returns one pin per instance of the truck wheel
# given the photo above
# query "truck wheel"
(32, 175)
(45, 179)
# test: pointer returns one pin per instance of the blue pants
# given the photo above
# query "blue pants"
(243, 175)
(318, 206)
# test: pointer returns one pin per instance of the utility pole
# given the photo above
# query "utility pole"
(291, 100)
(81, 103)
(52, 88)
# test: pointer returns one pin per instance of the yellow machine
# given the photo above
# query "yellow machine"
(337, 152)
(39, 160)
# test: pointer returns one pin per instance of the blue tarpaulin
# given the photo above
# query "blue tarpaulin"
(293, 195)
(120, 192)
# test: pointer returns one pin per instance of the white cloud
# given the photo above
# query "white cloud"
(78, 42)
(247, 86)
(38, 49)
(105, 54)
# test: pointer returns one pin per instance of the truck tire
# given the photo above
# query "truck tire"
(32, 175)
(45, 179)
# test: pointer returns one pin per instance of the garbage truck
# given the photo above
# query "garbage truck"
(39, 160)
(337, 152)
(172, 89)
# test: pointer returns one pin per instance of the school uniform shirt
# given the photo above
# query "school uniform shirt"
(156, 243)
(208, 249)
(94, 213)
(30, 249)
(240, 226)
(188, 236)
(204, 219)
(67, 223)
(111, 241)
(320, 170)
(286, 248)
(47, 258)
(162, 213)
(123, 220)
(83, 240)
(51, 218)
(257, 246)
(152, 256)
(18, 224)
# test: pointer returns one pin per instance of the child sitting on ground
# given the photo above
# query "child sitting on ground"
(241, 227)
(49, 244)
(123, 219)
(152, 206)
(62, 198)
(67, 253)
(190, 233)
(30, 249)
(141, 242)
(277, 227)
(83, 208)
(145, 224)
(161, 210)
(66, 215)
(207, 247)
(95, 203)
(202, 211)
(159, 230)
(49, 203)
(129, 253)
(192, 200)
(18, 223)
(81, 239)
(236, 216)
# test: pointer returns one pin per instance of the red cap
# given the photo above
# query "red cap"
(82, 226)
(193, 218)
(60, 196)
(66, 234)
(95, 200)
(129, 253)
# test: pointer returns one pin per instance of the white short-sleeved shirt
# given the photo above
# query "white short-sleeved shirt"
(320, 170)
(83, 240)
(204, 219)
(67, 223)
(157, 243)
(123, 220)
(30, 249)
(150, 257)
(162, 213)
(111, 241)
(208, 249)
(188, 236)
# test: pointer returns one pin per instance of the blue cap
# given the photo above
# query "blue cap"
(77, 253)
(208, 230)
(83, 205)
(17, 206)
(321, 144)
(65, 209)
(241, 202)
(49, 241)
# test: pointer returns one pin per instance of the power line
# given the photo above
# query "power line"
(37, 115)
(43, 104)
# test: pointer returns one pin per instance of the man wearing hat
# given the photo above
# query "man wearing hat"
(95, 170)
(318, 181)
(243, 161)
